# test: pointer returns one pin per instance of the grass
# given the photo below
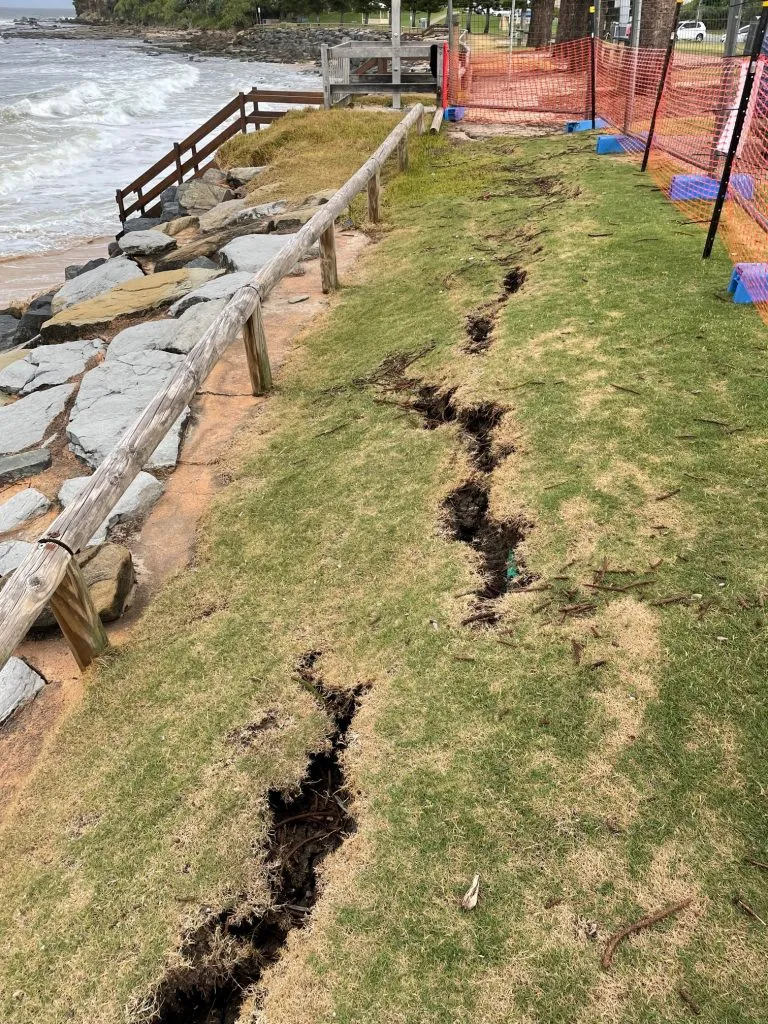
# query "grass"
(591, 769)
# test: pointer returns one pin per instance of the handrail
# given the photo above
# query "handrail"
(180, 164)
(50, 571)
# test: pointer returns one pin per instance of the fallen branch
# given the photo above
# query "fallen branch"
(689, 1001)
(617, 589)
(756, 863)
(672, 599)
(745, 908)
(669, 494)
(637, 926)
(622, 387)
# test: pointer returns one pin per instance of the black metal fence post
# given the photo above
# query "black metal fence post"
(592, 68)
(662, 83)
(741, 116)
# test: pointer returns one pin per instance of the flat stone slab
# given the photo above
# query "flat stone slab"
(242, 175)
(202, 195)
(17, 467)
(250, 252)
(112, 395)
(95, 282)
(179, 335)
(27, 504)
(19, 684)
(146, 243)
(141, 295)
(222, 288)
(192, 324)
(26, 422)
(137, 501)
(47, 365)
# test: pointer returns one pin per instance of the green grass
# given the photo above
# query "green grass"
(613, 783)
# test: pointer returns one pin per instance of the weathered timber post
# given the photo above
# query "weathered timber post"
(420, 125)
(256, 352)
(329, 274)
(243, 118)
(374, 198)
(402, 154)
(79, 621)
(326, 69)
(177, 155)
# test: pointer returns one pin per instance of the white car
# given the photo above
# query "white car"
(692, 30)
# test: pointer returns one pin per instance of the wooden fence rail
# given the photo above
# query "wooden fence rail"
(192, 152)
(50, 572)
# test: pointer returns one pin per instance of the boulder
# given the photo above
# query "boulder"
(23, 506)
(209, 245)
(191, 325)
(96, 282)
(223, 214)
(146, 243)
(242, 175)
(203, 263)
(137, 501)
(112, 395)
(222, 288)
(19, 684)
(12, 554)
(26, 422)
(141, 295)
(202, 195)
(35, 315)
(17, 467)
(178, 224)
(288, 223)
(251, 252)
(139, 224)
(48, 365)
(82, 268)
(318, 198)
(170, 207)
(108, 573)
(154, 334)
(214, 176)
(9, 325)
(114, 250)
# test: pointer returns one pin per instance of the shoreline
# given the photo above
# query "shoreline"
(29, 274)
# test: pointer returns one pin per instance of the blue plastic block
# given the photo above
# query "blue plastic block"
(453, 113)
(585, 126)
(749, 282)
(609, 144)
(700, 186)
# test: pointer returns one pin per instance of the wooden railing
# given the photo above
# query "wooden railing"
(191, 154)
(50, 572)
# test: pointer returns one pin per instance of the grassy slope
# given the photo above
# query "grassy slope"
(614, 789)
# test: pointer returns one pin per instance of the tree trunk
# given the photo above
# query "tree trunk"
(573, 20)
(540, 28)
(429, 18)
(655, 23)
(468, 26)
(487, 26)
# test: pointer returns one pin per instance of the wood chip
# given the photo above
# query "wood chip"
(471, 896)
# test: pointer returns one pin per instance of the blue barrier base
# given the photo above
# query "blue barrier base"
(749, 282)
(453, 113)
(700, 186)
(584, 126)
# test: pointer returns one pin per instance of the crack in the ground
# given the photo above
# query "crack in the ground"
(480, 322)
(227, 955)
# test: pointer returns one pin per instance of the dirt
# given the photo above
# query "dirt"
(227, 955)
(166, 541)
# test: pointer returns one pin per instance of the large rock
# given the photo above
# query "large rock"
(208, 245)
(23, 506)
(35, 315)
(290, 222)
(19, 684)
(9, 325)
(178, 224)
(76, 269)
(251, 252)
(137, 501)
(47, 365)
(112, 395)
(192, 324)
(12, 554)
(202, 195)
(242, 175)
(222, 288)
(140, 224)
(154, 334)
(236, 211)
(25, 423)
(139, 296)
(146, 243)
(95, 282)
(17, 467)
(170, 207)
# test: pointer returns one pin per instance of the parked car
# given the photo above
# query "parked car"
(741, 38)
(692, 30)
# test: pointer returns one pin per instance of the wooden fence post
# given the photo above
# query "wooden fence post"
(79, 621)
(177, 156)
(402, 154)
(374, 198)
(243, 119)
(329, 274)
(420, 124)
(256, 352)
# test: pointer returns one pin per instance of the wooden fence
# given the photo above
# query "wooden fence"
(194, 151)
(50, 572)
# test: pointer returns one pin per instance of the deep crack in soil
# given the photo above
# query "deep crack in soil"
(228, 953)
(481, 321)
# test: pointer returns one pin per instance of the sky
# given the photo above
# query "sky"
(64, 5)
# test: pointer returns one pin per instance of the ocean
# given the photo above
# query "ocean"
(80, 118)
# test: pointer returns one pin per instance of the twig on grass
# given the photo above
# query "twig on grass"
(622, 387)
(637, 926)
(672, 599)
(745, 908)
(669, 494)
(620, 590)
(756, 863)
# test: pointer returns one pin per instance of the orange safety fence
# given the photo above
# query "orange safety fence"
(693, 130)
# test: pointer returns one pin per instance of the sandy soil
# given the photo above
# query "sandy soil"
(22, 277)
(166, 542)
